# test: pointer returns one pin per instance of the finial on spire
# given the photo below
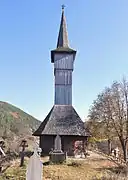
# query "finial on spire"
(63, 6)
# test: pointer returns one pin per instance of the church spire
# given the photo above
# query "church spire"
(63, 34)
(62, 43)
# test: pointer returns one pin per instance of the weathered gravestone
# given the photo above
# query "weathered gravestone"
(35, 166)
(57, 155)
(58, 146)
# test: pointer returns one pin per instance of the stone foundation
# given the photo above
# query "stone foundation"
(57, 157)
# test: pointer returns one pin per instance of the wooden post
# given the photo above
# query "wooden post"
(23, 145)
(109, 146)
(0, 168)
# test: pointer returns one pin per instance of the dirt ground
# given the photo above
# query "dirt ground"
(94, 167)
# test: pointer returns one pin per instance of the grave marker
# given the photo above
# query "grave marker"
(35, 166)
(57, 155)
(23, 145)
(58, 146)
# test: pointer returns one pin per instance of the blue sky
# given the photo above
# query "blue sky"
(98, 29)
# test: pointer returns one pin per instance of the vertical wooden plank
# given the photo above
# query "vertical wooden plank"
(63, 67)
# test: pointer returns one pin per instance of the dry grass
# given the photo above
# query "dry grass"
(89, 169)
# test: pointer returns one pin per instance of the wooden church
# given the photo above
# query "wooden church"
(62, 120)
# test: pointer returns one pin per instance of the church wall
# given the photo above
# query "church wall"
(63, 61)
(63, 67)
(63, 94)
(47, 142)
(63, 77)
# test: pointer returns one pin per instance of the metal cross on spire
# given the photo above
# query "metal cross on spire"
(63, 6)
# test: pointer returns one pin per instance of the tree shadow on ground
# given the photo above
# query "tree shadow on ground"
(116, 170)
(100, 159)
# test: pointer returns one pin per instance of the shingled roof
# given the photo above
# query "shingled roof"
(62, 42)
(63, 34)
(62, 120)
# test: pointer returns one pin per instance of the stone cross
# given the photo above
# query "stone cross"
(58, 146)
(37, 148)
(35, 167)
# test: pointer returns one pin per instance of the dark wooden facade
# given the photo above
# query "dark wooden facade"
(47, 142)
(63, 67)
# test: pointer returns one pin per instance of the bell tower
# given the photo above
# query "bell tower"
(63, 58)
(62, 119)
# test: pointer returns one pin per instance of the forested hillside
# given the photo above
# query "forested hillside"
(15, 125)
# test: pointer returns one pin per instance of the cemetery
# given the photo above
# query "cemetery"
(95, 165)
(64, 147)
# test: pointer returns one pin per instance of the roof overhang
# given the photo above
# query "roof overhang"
(62, 51)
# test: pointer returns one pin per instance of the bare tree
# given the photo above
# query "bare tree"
(99, 115)
(111, 108)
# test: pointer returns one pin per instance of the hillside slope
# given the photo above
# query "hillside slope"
(15, 125)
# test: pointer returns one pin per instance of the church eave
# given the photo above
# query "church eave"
(62, 50)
